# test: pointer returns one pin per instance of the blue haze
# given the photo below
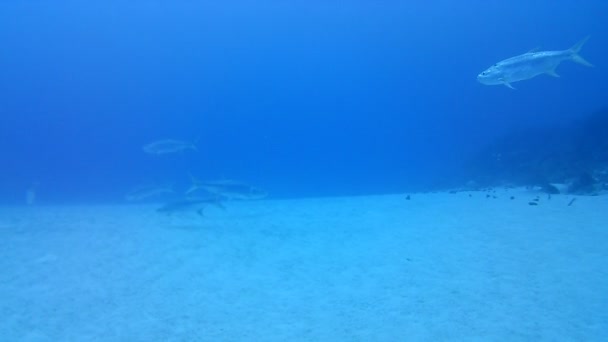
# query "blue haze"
(303, 98)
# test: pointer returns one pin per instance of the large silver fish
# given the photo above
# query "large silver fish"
(228, 189)
(148, 192)
(168, 146)
(531, 64)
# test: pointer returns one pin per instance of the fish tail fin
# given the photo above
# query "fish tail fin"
(194, 187)
(217, 201)
(575, 53)
(194, 143)
(193, 179)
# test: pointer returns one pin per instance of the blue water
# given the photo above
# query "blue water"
(303, 98)
(306, 100)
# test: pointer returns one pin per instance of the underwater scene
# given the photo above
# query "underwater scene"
(304, 170)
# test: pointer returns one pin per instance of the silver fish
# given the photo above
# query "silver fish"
(168, 146)
(531, 64)
(148, 192)
(228, 189)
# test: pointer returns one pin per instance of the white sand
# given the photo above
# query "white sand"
(436, 267)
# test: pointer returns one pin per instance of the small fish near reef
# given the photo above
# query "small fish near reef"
(531, 64)
(168, 146)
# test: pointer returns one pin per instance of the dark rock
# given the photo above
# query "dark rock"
(548, 153)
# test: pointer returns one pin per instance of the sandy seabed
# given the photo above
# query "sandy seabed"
(437, 267)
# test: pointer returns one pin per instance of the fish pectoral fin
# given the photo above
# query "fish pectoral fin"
(507, 84)
(552, 73)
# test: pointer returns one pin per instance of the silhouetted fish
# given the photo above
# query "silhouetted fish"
(147, 192)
